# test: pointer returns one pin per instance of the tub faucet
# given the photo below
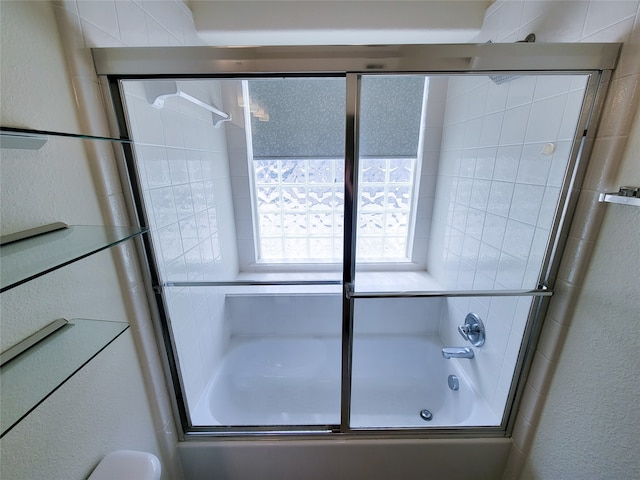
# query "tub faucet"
(457, 352)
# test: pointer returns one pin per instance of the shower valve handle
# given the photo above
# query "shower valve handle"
(464, 331)
(472, 330)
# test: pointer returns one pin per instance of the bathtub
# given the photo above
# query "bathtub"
(295, 380)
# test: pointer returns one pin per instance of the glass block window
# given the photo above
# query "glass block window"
(384, 209)
(299, 206)
(296, 131)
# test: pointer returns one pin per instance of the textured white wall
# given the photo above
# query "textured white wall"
(589, 425)
(105, 406)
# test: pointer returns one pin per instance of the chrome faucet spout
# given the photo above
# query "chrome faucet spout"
(457, 352)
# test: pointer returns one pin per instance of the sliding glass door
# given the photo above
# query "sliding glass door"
(354, 238)
(460, 184)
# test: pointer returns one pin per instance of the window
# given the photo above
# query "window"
(296, 159)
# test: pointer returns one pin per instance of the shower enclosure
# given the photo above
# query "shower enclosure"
(324, 221)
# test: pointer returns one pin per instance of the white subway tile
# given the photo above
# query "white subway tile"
(156, 166)
(209, 194)
(168, 14)
(453, 136)
(538, 246)
(96, 37)
(485, 162)
(496, 97)
(503, 309)
(491, 129)
(567, 130)
(175, 271)
(545, 120)
(548, 207)
(526, 203)
(207, 255)
(517, 239)
(531, 11)
(466, 274)
(552, 85)
(198, 196)
(534, 165)
(463, 194)
(193, 261)
(497, 336)
(172, 128)
(477, 99)
(494, 228)
(149, 124)
(521, 91)
(194, 165)
(470, 249)
(510, 17)
(489, 364)
(490, 25)
(450, 163)
(500, 197)
(467, 163)
(506, 164)
(158, 35)
(560, 22)
(488, 258)
(100, 14)
(602, 14)
(131, 20)
(188, 233)
(480, 194)
(559, 163)
(510, 271)
(177, 166)
(184, 203)
(455, 237)
(170, 242)
(163, 206)
(472, 133)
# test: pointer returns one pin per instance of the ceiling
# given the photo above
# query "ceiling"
(331, 22)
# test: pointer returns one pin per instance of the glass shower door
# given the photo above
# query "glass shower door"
(241, 182)
(459, 183)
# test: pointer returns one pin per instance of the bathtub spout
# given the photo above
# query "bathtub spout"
(457, 352)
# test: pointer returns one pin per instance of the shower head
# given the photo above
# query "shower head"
(500, 79)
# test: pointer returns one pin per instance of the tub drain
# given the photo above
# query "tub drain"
(426, 415)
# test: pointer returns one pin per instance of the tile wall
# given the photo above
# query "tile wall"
(577, 21)
(184, 171)
(505, 148)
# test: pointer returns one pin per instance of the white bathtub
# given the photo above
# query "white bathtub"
(294, 380)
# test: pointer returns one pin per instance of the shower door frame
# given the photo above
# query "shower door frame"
(352, 62)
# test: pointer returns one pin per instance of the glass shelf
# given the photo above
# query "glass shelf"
(28, 379)
(30, 139)
(30, 258)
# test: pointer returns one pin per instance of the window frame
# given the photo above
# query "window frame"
(409, 262)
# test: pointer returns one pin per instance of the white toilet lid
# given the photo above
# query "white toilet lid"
(127, 465)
